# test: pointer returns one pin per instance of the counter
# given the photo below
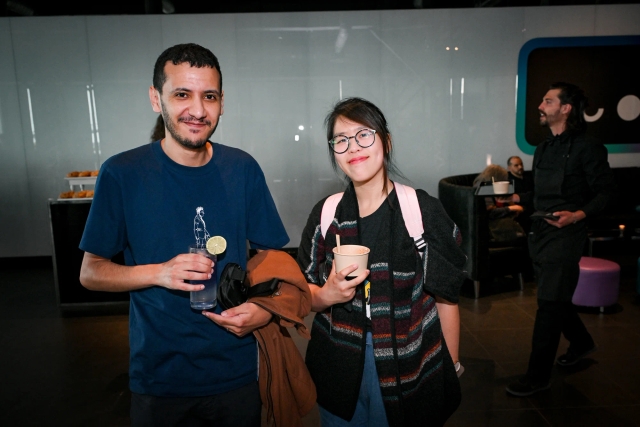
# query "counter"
(67, 220)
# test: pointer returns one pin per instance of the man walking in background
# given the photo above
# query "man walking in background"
(572, 181)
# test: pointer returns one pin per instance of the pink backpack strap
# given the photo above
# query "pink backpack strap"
(329, 212)
(411, 213)
(409, 206)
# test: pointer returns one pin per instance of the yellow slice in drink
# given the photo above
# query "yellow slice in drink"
(216, 245)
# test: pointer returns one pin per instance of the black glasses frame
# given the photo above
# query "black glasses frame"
(332, 141)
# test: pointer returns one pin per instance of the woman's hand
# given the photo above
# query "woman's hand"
(337, 289)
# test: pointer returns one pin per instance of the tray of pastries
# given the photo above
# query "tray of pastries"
(77, 181)
(82, 177)
(76, 195)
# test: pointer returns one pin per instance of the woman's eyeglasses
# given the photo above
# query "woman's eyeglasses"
(364, 138)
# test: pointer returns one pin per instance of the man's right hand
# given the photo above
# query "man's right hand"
(101, 274)
(191, 267)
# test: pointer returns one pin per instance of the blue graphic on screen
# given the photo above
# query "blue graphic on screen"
(605, 67)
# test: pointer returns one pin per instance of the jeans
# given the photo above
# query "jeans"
(369, 408)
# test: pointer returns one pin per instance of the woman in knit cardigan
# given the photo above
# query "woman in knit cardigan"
(389, 359)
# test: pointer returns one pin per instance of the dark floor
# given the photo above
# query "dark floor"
(71, 369)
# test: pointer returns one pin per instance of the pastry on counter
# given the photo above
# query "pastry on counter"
(66, 195)
(95, 173)
(84, 174)
(73, 174)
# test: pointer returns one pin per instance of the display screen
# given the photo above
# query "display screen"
(606, 68)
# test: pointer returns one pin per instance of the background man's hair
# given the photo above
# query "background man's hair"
(574, 96)
(511, 158)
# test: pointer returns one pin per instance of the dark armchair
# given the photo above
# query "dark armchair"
(485, 258)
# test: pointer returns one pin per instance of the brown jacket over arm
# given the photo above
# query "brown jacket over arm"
(286, 388)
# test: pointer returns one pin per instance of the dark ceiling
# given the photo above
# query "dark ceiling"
(141, 7)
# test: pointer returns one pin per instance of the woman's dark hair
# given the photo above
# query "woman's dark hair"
(157, 132)
(363, 112)
(196, 55)
(496, 172)
(574, 96)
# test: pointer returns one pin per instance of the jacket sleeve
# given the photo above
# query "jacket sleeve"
(599, 177)
(495, 212)
(443, 258)
(311, 253)
(526, 198)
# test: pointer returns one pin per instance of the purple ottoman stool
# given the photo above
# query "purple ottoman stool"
(599, 283)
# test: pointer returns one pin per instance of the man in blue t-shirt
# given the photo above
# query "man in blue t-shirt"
(186, 366)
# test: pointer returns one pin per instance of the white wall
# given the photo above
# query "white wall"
(281, 71)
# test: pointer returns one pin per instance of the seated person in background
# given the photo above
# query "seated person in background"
(502, 224)
(521, 184)
(516, 176)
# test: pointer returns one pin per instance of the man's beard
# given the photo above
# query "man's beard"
(544, 120)
(183, 141)
(549, 120)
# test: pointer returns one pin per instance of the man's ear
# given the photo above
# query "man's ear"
(566, 109)
(154, 97)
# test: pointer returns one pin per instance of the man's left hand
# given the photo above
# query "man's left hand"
(566, 218)
(242, 319)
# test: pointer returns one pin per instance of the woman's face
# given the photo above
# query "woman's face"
(361, 165)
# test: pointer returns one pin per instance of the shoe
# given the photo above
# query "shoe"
(524, 387)
(572, 357)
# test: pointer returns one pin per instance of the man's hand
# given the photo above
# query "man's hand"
(566, 218)
(101, 274)
(241, 320)
(173, 273)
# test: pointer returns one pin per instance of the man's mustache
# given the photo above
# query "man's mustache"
(191, 119)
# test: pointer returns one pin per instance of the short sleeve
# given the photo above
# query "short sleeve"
(105, 231)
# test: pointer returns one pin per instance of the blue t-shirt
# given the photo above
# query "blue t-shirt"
(148, 206)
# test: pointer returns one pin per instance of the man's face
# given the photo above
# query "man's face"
(552, 112)
(515, 167)
(191, 103)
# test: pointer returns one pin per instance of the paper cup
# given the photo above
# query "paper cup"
(501, 187)
(349, 255)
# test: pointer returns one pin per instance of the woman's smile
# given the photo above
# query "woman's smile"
(358, 159)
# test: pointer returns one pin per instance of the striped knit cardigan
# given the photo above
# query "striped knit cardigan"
(417, 377)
